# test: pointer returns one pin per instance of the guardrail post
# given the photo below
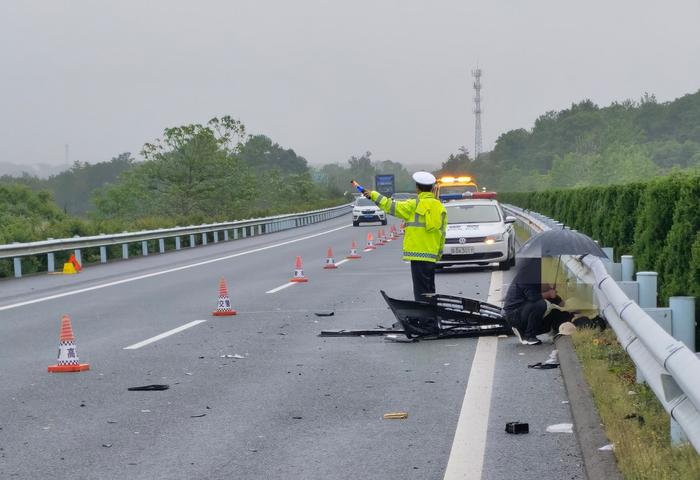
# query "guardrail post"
(235, 234)
(627, 268)
(51, 262)
(18, 267)
(193, 243)
(225, 235)
(78, 256)
(178, 243)
(204, 238)
(216, 237)
(125, 251)
(244, 231)
(161, 245)
(683, 327)
(103, 254)
(647, 289)
(260, 229)
(144, 248)
(683, 311)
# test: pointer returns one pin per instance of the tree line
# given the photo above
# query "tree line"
(586, 144)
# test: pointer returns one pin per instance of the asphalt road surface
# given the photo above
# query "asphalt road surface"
(296, 406)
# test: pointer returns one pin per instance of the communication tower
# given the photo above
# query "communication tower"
(477, 112)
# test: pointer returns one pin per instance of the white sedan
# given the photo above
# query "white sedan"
(365, 210)
(478, 233)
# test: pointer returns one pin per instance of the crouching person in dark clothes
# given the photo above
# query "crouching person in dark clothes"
(530, 305)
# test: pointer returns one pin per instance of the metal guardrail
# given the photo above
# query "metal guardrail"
(238, 229)
(668, 366)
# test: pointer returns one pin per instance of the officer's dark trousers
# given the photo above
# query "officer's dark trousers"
(530, 320)
(423, 274)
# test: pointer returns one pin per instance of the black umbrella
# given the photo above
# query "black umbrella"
(554, 243)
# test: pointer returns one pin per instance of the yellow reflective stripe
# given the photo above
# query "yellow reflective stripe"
(392, 210)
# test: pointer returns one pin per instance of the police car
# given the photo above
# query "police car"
(365, 210)
(478, 232)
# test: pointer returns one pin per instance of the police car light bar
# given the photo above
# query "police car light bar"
(480, 195)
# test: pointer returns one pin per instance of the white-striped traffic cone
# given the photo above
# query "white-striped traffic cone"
(330, 261)
(298, 272)
(370, 243)
(67, 351)
(353, 252)
(223, 306)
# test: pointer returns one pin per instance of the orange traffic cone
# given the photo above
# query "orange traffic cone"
(370, 243)
(380, 240)
(67, 353)
(223, 307)
(298, 272)
(353, 251)
(330, 261)
(75, 263)
(392, 233)
(387, 238)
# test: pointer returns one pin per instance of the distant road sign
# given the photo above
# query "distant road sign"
(384, 184)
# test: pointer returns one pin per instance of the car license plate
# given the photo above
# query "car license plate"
(462, 250)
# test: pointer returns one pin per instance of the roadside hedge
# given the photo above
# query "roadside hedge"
(657, 221)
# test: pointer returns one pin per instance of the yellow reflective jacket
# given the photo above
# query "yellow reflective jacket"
(426, 222)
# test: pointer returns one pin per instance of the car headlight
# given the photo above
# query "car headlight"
(491, 239)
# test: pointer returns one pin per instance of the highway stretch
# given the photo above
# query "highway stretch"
(259, 395)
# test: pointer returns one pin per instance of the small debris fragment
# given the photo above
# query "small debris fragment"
(107, 445)
(631, 392)
(324, 314)
(561, 428)
(149, 388)
(503, 336)
(429, 381)
(297, 418)
(235, 355)
(198, 416)
(145, 411)
(517, 428)
(395, 416)
(564, 401)
(610, 447)
(446, 364)
(111, 421)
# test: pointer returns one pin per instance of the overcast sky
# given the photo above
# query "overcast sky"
(327, 78)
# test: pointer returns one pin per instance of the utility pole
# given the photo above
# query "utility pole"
(477, 112)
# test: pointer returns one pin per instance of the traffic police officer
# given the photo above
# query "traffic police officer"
(426, 221)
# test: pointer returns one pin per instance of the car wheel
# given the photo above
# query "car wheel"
(512, 261)
(355, 224)
(505, 266)
(383, 222)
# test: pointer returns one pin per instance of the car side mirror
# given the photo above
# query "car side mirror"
(510, 219)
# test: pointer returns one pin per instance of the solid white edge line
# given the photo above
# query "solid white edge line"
(466, 461)
(281, 287)
(163, 272)
(163, 335)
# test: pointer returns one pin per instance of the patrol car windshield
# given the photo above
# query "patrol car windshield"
(473, 214)
(364, 202)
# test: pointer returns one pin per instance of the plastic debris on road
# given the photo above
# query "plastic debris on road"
(607, 448)
(149, 388)
(396, 416)
(517, 428)
(324, 314)
(561, 428)
(235, 355)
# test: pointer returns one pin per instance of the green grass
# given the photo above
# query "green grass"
(634, 420)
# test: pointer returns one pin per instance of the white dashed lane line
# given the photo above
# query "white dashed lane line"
(164, 335)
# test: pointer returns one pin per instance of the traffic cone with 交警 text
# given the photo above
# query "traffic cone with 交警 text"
(330, 261)
(223, 306)
(298, 272)
(67, 352)
(370, 242)
(387, 238)
(353, 252)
